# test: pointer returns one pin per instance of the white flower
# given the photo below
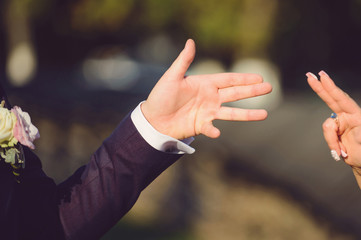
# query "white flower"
(7, 123)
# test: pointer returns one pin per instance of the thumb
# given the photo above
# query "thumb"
(184, 60)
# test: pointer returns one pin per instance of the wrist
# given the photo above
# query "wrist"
(157, 140)
(152, 120)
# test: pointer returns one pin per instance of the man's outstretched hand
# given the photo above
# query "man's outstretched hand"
(184, 106)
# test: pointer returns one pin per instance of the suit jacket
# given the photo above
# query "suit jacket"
(87, 204)
(100, 193)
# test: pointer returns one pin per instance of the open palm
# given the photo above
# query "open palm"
(183, 106)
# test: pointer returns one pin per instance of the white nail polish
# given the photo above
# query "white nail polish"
(335, 155)
(343, 154)
(323, 73)
(313, 75)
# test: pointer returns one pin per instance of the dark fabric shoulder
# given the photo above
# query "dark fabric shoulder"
(39, 206)
(28, 210)
(9, 212)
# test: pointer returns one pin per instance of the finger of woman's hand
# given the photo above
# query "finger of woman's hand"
(231, 94)
(339, 97)
(238, 114)
(330, 130)
(319, 89)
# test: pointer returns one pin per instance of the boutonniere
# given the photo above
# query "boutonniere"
(15, 128)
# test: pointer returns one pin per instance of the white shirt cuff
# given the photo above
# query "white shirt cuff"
(158, 140)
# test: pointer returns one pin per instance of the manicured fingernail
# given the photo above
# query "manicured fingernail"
(323, 73)
(343, 154)
(335, 155)
(309, 74)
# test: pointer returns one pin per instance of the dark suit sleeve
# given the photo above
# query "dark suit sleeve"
(100, 193)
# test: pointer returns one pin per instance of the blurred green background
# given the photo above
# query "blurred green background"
(79, 66)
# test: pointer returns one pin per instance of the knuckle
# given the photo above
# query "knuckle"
(327, 125)
(233, 114)
(233, 77)
(235, 93)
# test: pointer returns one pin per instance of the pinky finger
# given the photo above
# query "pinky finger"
(330, 130)
(210, 131)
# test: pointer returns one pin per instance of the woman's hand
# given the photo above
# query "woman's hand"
(183, 106)
(342, 134)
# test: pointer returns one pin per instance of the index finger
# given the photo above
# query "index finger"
(224, 80)
(318, 88)
(343, 100)
(333, 96)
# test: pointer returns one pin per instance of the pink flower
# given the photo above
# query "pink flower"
(24, 131)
